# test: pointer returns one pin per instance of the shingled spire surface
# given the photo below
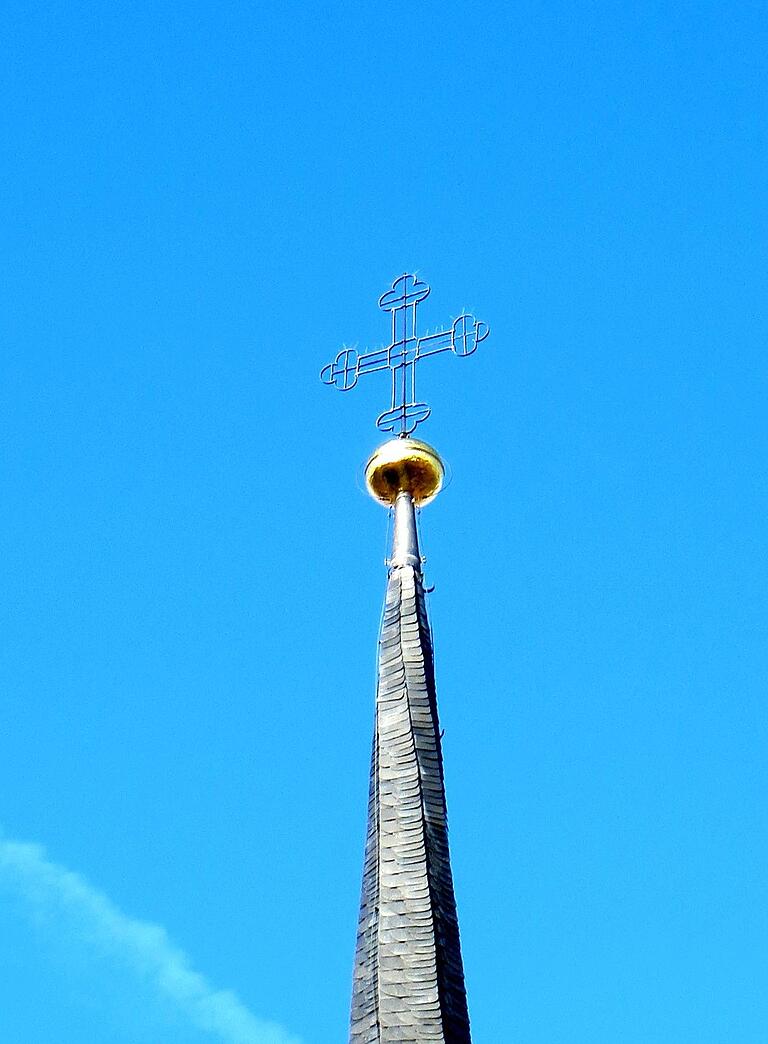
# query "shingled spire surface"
(408, 981)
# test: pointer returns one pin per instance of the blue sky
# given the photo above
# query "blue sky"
(200, 204)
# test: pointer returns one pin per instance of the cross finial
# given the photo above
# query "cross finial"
(405, 350)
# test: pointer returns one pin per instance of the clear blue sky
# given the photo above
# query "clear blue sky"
(200, 203)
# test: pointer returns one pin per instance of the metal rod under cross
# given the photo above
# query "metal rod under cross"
(402, 354)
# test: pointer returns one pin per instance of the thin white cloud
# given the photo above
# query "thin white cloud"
(53, 891)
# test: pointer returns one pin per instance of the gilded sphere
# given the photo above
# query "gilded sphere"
(404, 465)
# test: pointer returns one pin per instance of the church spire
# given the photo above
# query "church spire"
(408, 981)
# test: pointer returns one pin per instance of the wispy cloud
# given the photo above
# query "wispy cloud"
(56, 892)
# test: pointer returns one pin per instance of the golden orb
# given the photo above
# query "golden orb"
(404, 465)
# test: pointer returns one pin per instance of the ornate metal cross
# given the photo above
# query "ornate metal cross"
(402, 354)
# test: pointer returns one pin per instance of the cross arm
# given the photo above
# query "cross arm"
(464, 336)
(345, 369)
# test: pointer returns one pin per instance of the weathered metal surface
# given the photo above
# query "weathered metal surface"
(408, 984)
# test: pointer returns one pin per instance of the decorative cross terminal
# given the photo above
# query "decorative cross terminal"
(401, 356)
